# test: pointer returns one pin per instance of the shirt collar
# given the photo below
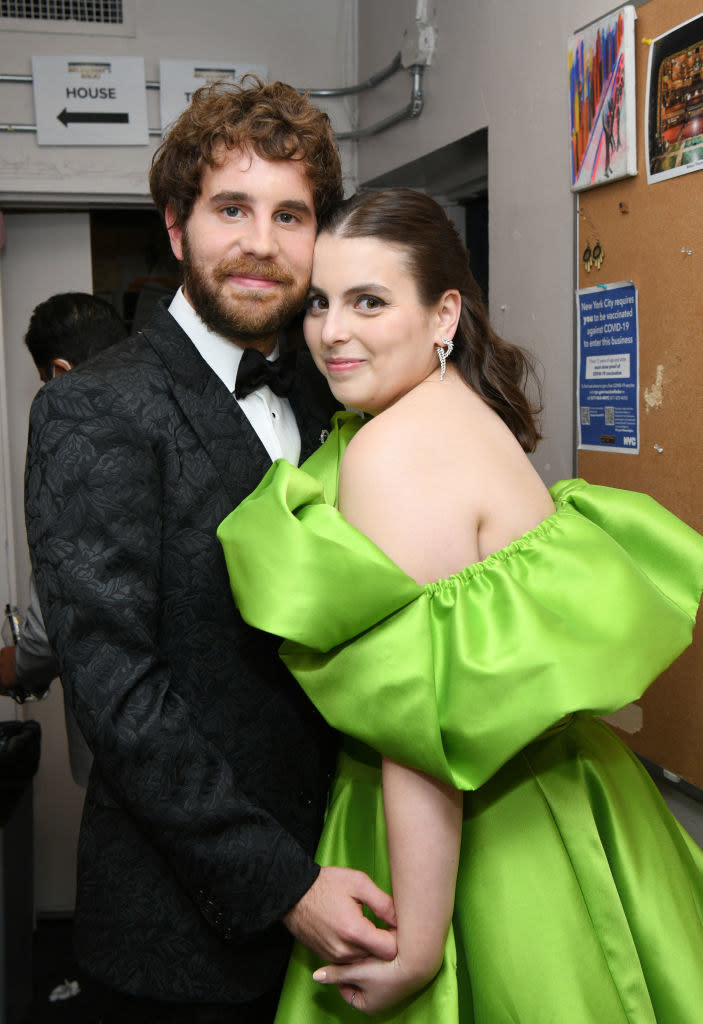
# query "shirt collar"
(221, 354)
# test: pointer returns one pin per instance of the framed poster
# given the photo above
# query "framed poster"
(674, 107)
(602, 100)
(608, 368)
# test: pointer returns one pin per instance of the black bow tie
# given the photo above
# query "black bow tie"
(255, 370)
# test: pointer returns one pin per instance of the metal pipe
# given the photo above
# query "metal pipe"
(28, 80)
(32, 128)
(348, 90)
(413, 109)
(369, 83)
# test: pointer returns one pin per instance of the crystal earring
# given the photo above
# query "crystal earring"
(444, 351)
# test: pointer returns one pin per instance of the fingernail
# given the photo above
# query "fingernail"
(320, 975)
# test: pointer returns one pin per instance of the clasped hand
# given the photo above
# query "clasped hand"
(372, 985)
(329, 918)
(362, 959)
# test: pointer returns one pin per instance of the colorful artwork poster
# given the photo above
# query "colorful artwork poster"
(674, 108)
(602, 99)
(608, 368)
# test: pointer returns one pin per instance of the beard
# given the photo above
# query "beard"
(242, 319)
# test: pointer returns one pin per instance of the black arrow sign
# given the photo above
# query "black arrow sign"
(67, 117)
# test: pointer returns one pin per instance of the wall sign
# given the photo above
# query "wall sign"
(90, 101)
(608, 368)
(180, 79)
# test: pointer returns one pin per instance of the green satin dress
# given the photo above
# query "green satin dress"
(579, 897)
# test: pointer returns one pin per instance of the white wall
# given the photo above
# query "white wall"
(309, 43)
(499, 64)
(31, 271)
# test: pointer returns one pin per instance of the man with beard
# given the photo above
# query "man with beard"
(210, 767)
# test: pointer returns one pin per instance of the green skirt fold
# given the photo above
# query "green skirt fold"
(579, 897)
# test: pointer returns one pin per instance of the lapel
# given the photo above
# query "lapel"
(312, 403)
(230, 441)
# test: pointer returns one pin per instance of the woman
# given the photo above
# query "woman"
(454, 617)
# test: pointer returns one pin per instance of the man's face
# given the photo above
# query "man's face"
(247, 246)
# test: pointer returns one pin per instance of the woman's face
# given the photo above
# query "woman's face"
(365, 325)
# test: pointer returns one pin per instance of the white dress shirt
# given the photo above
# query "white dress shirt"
(271, 416)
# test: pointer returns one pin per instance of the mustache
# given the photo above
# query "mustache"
(248, 267)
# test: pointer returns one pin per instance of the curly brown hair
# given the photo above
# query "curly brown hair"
(274, 120)
(438, 261)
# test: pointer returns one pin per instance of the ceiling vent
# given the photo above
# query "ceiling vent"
(98, 17)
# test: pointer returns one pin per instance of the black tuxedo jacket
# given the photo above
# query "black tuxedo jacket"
(211, 768)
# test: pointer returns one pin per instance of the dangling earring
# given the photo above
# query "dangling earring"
(444, 351)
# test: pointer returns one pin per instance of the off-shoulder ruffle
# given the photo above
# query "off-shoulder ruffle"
(580, 614)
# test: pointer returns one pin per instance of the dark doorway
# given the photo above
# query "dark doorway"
(133, 266)
(457, 177)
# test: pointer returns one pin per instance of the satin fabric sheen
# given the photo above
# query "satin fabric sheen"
(579, 897)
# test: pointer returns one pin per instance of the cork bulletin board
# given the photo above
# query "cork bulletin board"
(652, 235)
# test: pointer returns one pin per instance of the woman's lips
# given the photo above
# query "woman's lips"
(343, 365)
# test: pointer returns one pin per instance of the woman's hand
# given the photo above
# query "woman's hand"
(373, 985)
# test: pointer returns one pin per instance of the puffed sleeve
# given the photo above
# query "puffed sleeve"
(456, 677)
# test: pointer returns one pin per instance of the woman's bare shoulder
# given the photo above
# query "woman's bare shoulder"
(398, 483)
(376, 457)
(395, 442)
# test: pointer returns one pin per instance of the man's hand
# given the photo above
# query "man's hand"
(329, 918)
(8, 673)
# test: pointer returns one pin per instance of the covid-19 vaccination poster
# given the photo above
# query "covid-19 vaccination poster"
(608, 368)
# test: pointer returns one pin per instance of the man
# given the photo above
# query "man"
(69, 328)
(63, 331)
(211, 767)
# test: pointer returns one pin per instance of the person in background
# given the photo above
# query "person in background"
(211, 768)
(69, 328)
(64, 330)
(465, 628)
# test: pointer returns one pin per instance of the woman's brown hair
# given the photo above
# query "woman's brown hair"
(273, 120)
(438, 260)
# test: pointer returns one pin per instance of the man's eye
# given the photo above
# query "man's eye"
(369, 303)
(231, 211)
(287, 218)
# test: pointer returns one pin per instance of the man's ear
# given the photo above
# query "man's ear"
(175, 233)
(59, 366)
